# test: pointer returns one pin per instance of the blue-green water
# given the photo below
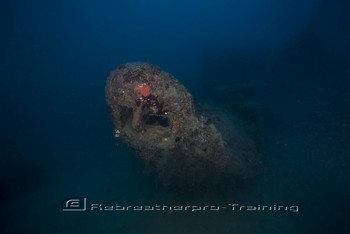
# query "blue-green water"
(286, 60)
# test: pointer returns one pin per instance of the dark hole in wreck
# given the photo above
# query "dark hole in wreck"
(156, 120)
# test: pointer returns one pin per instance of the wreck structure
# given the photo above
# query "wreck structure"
(182, 143)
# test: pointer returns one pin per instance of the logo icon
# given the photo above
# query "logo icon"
(74, 204)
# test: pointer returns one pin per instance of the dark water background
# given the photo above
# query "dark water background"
(289, 60)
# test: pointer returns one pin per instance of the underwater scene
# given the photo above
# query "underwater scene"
(175, 116)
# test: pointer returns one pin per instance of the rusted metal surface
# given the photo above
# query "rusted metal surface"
(155, 115)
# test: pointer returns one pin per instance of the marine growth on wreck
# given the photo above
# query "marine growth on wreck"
(156, 116)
